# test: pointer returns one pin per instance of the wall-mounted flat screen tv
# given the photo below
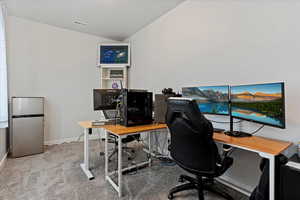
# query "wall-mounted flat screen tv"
(210, 99)
(114, 54)
(261, 103)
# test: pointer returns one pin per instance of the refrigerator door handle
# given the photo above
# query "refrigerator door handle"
(28, 116)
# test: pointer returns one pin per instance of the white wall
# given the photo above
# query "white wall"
(58, 64)
(3, 146)
(225, 42)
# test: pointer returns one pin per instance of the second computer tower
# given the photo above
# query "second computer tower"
(136, 107)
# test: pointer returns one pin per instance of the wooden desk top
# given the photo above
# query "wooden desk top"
(123, 130)
(254, 143)
(88, 124)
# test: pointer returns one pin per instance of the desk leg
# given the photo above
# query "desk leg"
(271, 174)
(272, 177)
(120, 165)
(150, 148)
(106, 154)
(85, 166)
(116, 186)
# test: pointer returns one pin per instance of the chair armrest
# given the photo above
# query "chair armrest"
(224, 165)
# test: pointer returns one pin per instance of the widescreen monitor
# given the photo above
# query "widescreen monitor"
(261, 103)
(210, 99)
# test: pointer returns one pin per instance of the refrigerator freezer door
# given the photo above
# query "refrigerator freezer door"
(27, 106)
(28, 136)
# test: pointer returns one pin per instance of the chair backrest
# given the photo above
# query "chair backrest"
(192, 144)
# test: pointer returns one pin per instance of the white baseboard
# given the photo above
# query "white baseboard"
(3, 161)
(68, 140)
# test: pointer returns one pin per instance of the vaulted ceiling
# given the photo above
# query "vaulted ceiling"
(114, 19)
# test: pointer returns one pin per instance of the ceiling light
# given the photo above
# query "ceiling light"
(80, 23)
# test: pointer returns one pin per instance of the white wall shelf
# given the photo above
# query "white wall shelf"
(108, 76)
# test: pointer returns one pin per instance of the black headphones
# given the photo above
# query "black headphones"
(169, 92)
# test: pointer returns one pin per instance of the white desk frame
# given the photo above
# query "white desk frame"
(271, 159)
(85, 166)
(118, 187)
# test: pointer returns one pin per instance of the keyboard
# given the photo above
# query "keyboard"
(99, 122)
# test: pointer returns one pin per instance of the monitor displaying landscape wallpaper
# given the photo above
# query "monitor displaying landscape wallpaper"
(263, 103)
(211, 99)
(114, 54)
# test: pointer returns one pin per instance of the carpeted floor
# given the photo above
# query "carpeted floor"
(56, 175)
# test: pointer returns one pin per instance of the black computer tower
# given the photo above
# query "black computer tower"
(289, 180)
(136, 107)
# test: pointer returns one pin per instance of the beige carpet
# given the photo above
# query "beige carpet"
(56, 175)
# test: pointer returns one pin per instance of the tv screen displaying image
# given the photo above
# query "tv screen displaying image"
(262, 103)
(114, 54)
(210, 99)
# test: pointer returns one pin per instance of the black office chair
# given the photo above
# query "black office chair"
(193, 148)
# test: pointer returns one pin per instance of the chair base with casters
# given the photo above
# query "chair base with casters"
(200, 184)
(127, 150)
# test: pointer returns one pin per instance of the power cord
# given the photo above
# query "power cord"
(257, 130)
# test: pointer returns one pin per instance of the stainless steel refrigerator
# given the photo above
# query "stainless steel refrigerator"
(27, 126)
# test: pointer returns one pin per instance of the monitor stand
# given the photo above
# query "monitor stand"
(219, 130)
(237, 134)
(233, 133)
